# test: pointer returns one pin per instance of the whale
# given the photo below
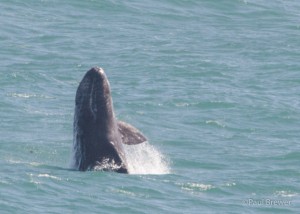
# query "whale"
(98, 136)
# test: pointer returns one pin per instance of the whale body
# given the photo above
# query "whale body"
(98, 136)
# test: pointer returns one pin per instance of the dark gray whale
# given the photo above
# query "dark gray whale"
(98, 135)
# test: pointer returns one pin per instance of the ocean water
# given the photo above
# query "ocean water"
(214, 85)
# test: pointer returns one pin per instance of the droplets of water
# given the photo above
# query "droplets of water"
(146, 159)
(107, 165)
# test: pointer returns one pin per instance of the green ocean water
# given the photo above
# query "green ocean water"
(214, 85)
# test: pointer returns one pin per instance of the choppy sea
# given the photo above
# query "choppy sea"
(214, 85)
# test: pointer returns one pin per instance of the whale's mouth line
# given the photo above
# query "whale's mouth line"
(92, 100)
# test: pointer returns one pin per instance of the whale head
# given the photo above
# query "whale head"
(96, 136)
(93, 94)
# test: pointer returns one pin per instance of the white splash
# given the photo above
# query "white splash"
(287, 194)
(26, 96)
(145, 159)
(215, 122)
(191, 187)
(49, 176)
(106, 165)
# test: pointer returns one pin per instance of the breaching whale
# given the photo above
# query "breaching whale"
(98, 135)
